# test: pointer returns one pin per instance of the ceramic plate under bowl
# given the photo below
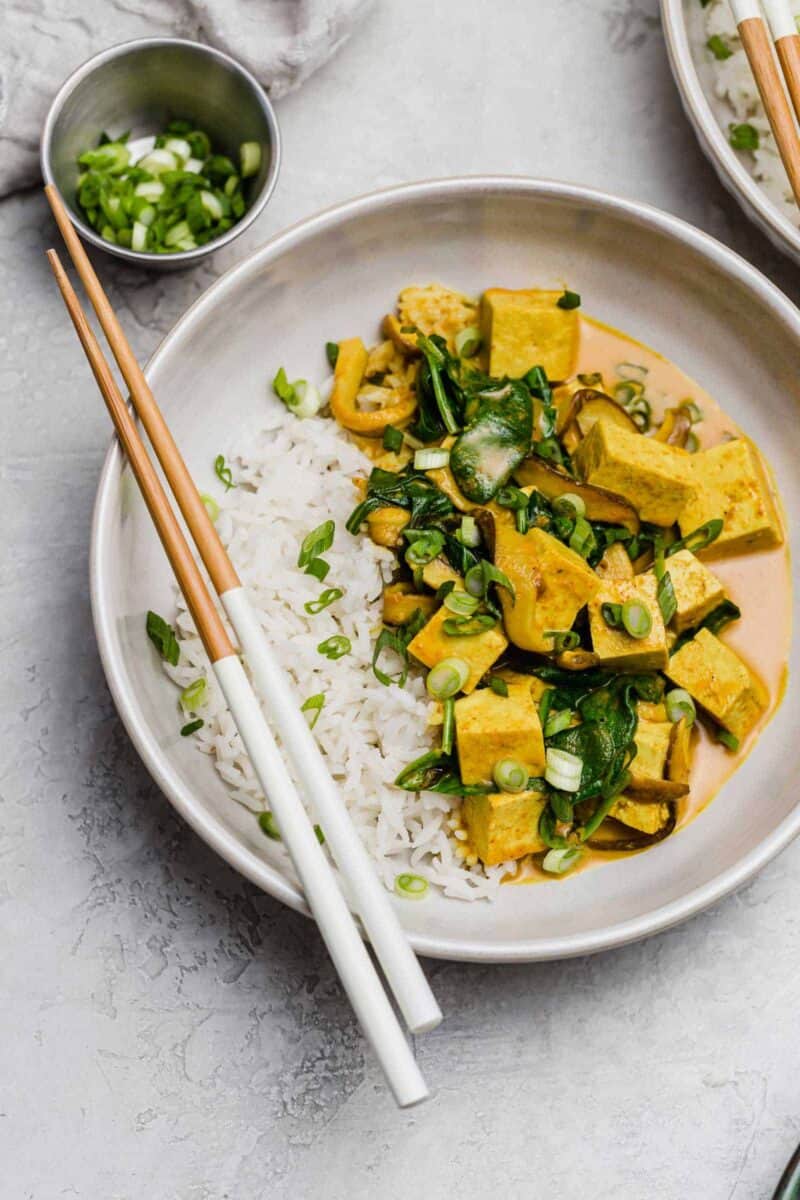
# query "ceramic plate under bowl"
(334, 275)
(693, 73)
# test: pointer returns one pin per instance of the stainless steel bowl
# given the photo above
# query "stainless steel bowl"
(141, 85)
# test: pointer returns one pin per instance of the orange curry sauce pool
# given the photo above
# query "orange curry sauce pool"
(760, 583)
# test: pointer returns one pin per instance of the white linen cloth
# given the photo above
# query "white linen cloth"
(42, 41)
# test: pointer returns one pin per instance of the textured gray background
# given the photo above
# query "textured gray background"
(166, 1031)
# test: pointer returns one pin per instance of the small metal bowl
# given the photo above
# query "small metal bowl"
(140, 86)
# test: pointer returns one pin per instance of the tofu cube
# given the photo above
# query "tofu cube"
(697, 590)
(439, 571)
(719, 681)
(616, 647)
(654, 477)
(731, 482)
(647, 818)
(615, 563)
(525, 329)
(552, 584)
(432, 644)
(491, 727)
(502, 826)
(652, 750)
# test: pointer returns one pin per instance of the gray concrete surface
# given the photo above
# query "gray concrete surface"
(168, 1032)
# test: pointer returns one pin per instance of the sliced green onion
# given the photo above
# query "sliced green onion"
(223, 473)
(195, 695)
(162, 635)
(719, 47)
(410, 887)
(178, 233)
(179, 147)
(212, 205)
(138, 236)
(569, 300)
(558, 862)
(320, 834)
(392, 438)
(479, 578)
(592, 379)
(192, 727)
(316, 542)
(193, 165)
(107, 233)
(612, 615)
(469, 626)
(558, 719)
(469, 534)
(425, 546)
(111, 159)
(692, 443)
(636, 619)
(570, 505)
(629, 370)
(744, 136)
(510, 775)
(694, 410)
(582, 539)
(729, 740)
(447, 678)
(312, 707)
(667, 600)
(231, 185)
(698, 539)
(335, 647)
(307, 400)
(468, 342)
(448, 724)
(149, 189)
(679, 704)
(157, 162)
(269, 826)
(428, 460)
(211, 506)
(498, 686)
(250, 158)
(563, 770)
(512, 497)
(332, 355)
(328, 597)
(319, 569)
(563, 639)
(461, 603)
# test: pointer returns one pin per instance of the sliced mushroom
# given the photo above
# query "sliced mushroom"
(588, 405)
(577, 660)
(657, 791)
(675, 427)
(601, 504)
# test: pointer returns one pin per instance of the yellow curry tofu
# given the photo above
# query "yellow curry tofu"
(491, 727)
(616, 647)
(654, 477)
(503, 825)
(697, 590)
(719, 681)
(731, 483)
(552, 584)
(432, 644)
(652, 750)
(647, 818)
(526, 329)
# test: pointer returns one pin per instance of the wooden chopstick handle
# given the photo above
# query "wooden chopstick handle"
(758, 48)
(208, 621)
(788, 49)
(212, 552)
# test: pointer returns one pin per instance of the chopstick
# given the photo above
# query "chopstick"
(400, 965)
(756, 43)
(327, 903)
(787, 43)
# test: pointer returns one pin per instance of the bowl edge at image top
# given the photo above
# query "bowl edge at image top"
(483, 189)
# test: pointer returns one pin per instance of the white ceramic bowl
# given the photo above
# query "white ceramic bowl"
(642, 270)
(693, 73)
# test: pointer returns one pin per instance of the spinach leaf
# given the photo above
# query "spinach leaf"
(495, 441)
(407, 489)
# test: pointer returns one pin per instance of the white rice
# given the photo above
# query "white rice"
(735, 85)
(295, 476)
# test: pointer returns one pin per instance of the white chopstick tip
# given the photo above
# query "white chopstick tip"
(780, 19)
(745, 10)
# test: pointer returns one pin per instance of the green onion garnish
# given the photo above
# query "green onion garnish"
(192, 727)
(569, 505)
(316, 543)
(744, 136)
(250, 158)
(392, 438)
(195, 695)
(569, 300)
(694, 410)
(468, 342)
(557, 720)
(692, 442)
(447, 678)
(558, 862)
(582, 539)
(468, 626)
(563, 770)
(301, 397)
(162, 635)
(425, 545)
(335, 647)
(469, 534)
(429, 459)
(332, 352)
(667, 600)
(510, 775)
(223, 473)
(679, 704)
(728, 739)
(563, 639)
(410, 887)
(211, 506)
(319, 568)
(498, 686)
(612, 615)
(461, 603)
(448, 724)
(312, 707)
(636, 619)
(698, 539)
(719, 47)
(268, 826)
(326, 598)
(320, 834)
(479, 578)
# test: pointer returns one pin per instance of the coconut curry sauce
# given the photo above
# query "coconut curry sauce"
(590, 564)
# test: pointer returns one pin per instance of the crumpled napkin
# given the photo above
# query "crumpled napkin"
(281, 41)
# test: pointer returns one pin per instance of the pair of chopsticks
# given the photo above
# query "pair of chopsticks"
(755, 37)
(336, 923)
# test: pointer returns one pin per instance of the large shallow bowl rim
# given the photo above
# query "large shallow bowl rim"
(255, 869)
(739, 179)
(145, 258)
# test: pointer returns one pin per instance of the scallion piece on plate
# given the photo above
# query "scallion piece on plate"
(744, 136)
(448, 724)
(430, 459)
(558, 862)
(269, 826)
(335, 647)
(729, 740)
(312, 707)
(563, 639)
(410, 887)
(192, 727)
(569, 300)
(162, 635)
(325, 599)
(250, 158)
(223, 472)
(461, 603)
(210, 505)
(510, 775)
(557, 720)
(195, 695)
(469, 535)
(468, 342)
(563, 770)
(636, 619)
(570, 505)
(582, 539)
(392, 438)
(679, 704)
(447, 678)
